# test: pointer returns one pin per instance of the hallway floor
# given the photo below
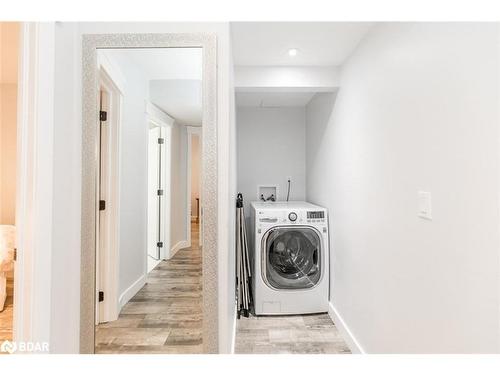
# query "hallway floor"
(165, 316)
(294, 334)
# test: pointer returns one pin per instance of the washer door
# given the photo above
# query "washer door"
(291, 257)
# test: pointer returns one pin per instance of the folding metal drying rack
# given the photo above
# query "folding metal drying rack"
(243, 269)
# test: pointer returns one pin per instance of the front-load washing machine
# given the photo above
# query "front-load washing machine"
(290, 258)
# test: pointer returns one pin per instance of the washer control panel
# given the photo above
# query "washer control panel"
(291, 217)
(315, 216)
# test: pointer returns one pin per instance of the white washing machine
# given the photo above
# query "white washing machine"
(290, 273)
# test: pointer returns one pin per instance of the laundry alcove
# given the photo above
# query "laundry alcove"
(271, 143)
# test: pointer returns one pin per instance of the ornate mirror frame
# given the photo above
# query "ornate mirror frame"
(90, 127)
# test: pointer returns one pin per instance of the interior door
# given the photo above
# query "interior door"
(155, 192)
(102, 221)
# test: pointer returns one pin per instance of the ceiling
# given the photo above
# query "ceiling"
(273, 99)
(163, 63)
(318, 43)
(180, 98)
(174, 76)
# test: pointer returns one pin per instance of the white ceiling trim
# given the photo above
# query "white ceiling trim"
(273, 99)
(286, 79)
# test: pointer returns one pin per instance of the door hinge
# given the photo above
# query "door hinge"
(15, 254)
(161, 141)
(159, 244)
(160, 192)
(101, 296)
(102, 205)
(103, 116)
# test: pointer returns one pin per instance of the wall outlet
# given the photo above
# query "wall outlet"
(425, 205)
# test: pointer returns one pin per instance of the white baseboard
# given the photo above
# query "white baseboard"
(344, 330)
(233, 340)
(179, 245)
(131, 291)
(152, 263)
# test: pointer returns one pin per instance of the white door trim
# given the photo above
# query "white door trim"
(191, 130)
(35, 136)
(107, 264)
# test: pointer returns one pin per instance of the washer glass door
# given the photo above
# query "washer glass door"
(292, 257)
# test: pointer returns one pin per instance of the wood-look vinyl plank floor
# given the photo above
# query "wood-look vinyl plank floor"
(295, 334)
(165, 316)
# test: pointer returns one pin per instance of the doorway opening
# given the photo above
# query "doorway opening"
(9, 51)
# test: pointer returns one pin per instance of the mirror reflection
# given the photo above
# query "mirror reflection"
(148, 250)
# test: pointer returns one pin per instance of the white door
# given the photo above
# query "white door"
(155, 192)
(103, 214)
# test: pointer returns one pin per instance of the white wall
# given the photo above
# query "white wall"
(67, 173)
(271, 148)
(65, 307)
(133, 183)
(417, 110)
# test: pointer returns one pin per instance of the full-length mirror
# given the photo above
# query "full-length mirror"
(148, 265)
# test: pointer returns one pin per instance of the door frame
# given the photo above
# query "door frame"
(90, 44)
(34, 190)
(107, 276)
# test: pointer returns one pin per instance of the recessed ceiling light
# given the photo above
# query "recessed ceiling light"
(293, 52)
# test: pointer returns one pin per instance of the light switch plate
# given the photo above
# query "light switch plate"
(424, 205)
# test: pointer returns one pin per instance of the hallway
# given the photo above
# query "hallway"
(165, 316)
